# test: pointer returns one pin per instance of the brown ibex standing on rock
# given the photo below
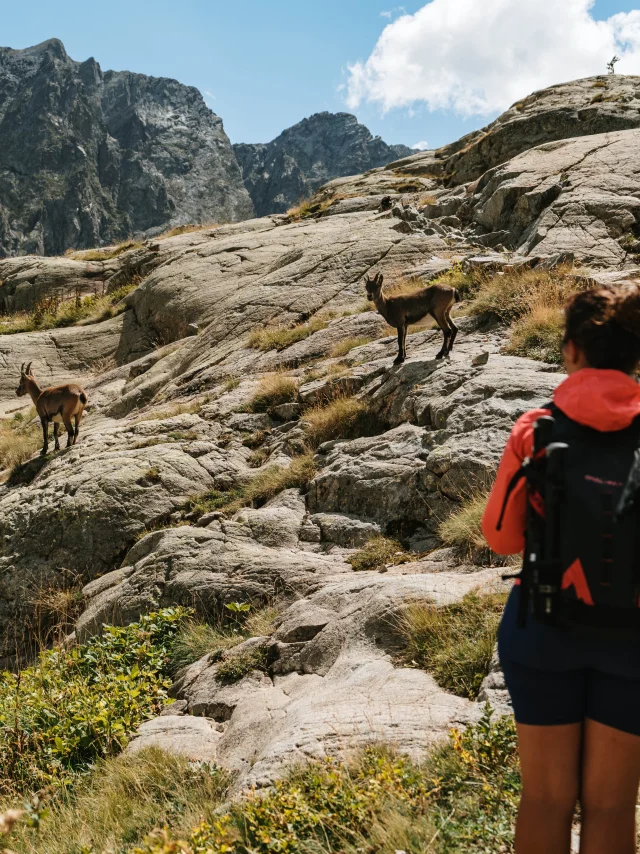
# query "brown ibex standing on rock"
(400, 311)
(59, 404)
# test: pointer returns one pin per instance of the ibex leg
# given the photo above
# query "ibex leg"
(45, 436)
(56, 428)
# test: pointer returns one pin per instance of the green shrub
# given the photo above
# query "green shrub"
(235, 665)
(378, 553)
(77, 704)
(454, 643)
(462, 799)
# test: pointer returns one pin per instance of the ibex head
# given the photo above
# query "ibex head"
(374, 286)
(25, 375)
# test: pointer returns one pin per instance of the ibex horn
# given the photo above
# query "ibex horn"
(22, 368)
(28, 370)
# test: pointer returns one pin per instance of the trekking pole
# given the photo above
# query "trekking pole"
(547, 574)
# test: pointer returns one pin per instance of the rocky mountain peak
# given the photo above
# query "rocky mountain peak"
(88, 158)
(323, 146)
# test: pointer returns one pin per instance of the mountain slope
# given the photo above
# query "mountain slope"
(294, 165)
(88, 157)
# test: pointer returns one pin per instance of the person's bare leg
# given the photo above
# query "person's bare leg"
(609, 791)
(550, 767)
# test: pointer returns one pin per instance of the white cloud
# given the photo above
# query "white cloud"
(209, 96)
(480, 56)
(423, 145)
(386, 14)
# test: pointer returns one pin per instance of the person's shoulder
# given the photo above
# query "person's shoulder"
(522, 431)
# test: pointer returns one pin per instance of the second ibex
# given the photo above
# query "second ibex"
(402, 310)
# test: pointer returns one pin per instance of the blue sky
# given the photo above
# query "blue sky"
(263, 66)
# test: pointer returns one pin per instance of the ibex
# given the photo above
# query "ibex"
(400, 311)
(59, 404)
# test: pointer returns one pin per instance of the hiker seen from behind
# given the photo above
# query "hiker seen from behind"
(567, 496)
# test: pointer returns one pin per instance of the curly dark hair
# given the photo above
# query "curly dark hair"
(605, 324)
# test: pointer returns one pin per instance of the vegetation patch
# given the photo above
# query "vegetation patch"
(273, 390)
(103, 254)
(187, 229)
(281, 337)
(54, 312)
(379, 553)
(121, 801)
(309, 208)
(348, 345)
(196, 639)
(20, 439)
(462, 799)
(509, 296)
(539, 334)
(237, 665)
(256, 492)
(341, 418)
(463, 528)
(454, 643)
(79, 704)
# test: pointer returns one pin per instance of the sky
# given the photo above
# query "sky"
(423, 73)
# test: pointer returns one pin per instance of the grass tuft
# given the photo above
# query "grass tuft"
(454, 643)
(236, 666)
(187, 229)
(281, 337)
(341, 418)
(105, 253)
(274, 389)
(348, 345)
(265, 485)
(20, 439)
(539, 334)
(510, 296)
(122, 800)
(463, 528)
(378, 553)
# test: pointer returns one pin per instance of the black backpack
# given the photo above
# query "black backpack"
(582, 555)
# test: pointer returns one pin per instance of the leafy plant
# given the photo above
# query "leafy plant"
(454, 643)
(75, 705)
(462, 799)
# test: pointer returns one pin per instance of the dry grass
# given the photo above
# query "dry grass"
(406, 287)
(193, 407)
(454, 643)
(341, 418)
(103, 254)
(124, 799)
(463, 529)
(281, 337)
(379, 553)
(309, 208)
(274, 389)
(260, 489)
(187, 229)
(20, 439)
(538, 334)
(427, 200)
(349, 344)
(513, 294)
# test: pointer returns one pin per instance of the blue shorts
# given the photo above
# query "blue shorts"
(553, 698)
